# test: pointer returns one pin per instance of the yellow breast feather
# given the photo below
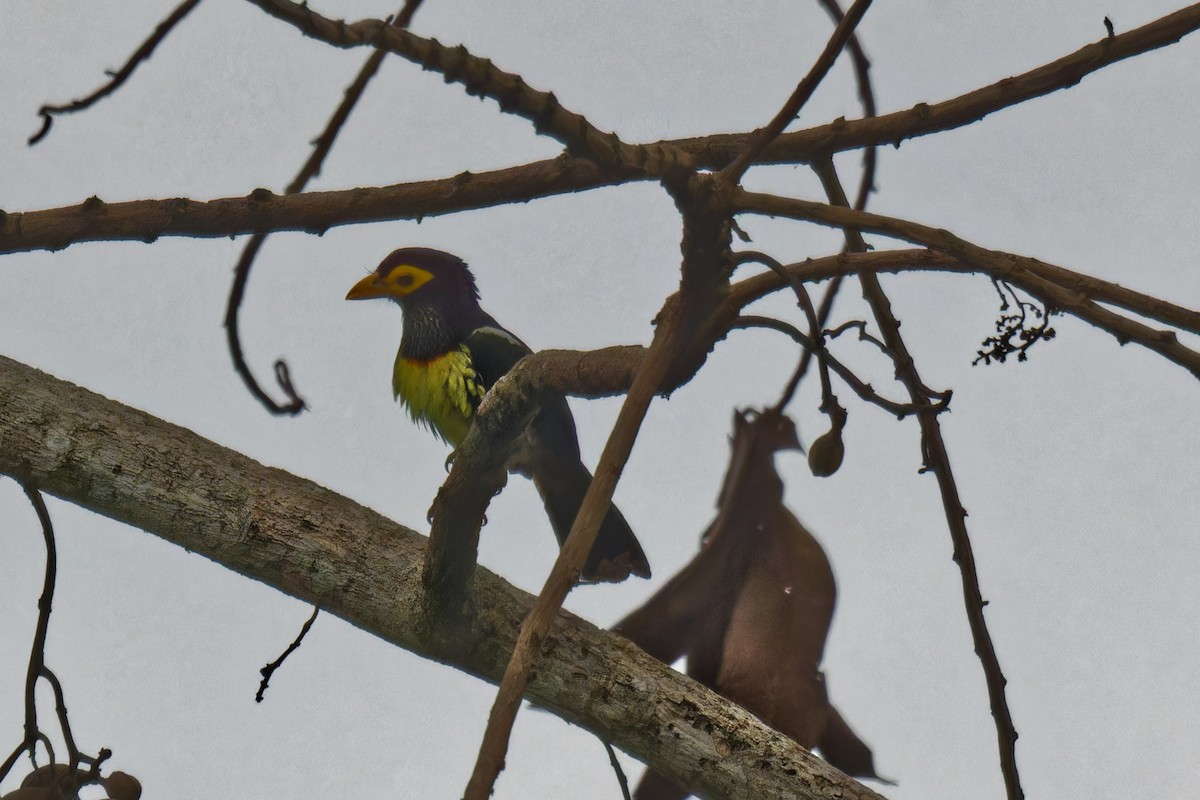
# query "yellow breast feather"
(440, 393)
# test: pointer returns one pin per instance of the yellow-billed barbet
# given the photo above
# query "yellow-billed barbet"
(451, 352)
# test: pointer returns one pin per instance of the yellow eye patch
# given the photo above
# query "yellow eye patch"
(406, 278)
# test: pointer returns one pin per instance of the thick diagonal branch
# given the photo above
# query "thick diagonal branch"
(316, 545)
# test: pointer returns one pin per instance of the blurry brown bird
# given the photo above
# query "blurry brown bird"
(752, 610)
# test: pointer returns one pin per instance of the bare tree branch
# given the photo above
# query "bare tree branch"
(479, 468)
(866, 94)
(937, 459)
(571, 558)
(37, 651)
(1026, 272)
(68, 777)
(815, 338)
(311, 168)
(269, 670)
(804, 90)
(864, 390)
(480, 77)
(118, 78)
(707, 263)
(321, 547)
(1019, 270)
(316, 212)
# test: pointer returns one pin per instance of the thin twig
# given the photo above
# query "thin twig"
(616, 765)
(571, 559)
(866, 95)
(864, 336)
(118, 78)
(939, 402)
(1030, 274)
(38, 670)
(870, 158)
(829, 403)
(37, 654)
(295, 403)
(866, 182)
(937, 460)
(269, 669)
(804, 90)
(60, 708)
(311, 168)
(322, 144)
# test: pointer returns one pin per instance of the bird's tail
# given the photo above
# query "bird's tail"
(616, 554)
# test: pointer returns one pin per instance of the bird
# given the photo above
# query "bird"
(451, 352)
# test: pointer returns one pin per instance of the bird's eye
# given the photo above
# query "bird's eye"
(405, 278)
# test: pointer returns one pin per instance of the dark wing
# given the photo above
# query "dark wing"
(494, 351)
(550, 456)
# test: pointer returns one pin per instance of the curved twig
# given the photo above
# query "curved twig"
(863, 336)
(815, 324)
(864, 390)
(60, 708)
(117, 78)
(241, 272)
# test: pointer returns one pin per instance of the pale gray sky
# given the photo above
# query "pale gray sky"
(1080, 469)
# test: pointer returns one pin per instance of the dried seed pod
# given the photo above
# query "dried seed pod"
(56, 778)
(122, 786)
(31, 793)
(825, 454)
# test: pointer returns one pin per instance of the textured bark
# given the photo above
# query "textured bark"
(314, 544)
